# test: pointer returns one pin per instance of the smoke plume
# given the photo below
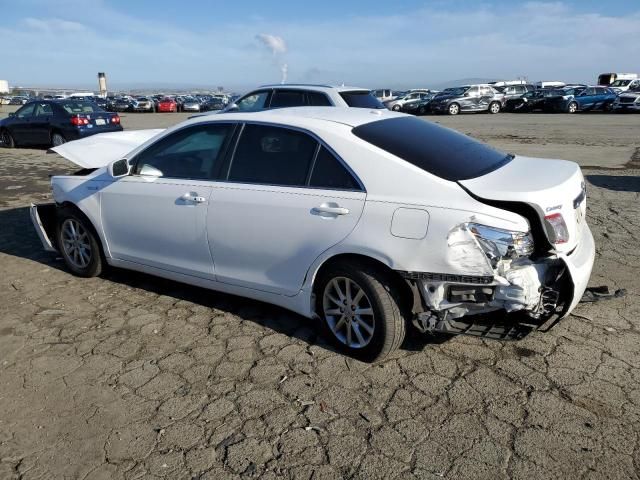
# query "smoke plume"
(278, 47)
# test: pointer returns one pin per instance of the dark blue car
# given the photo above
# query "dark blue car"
(54, 122)
(572, 100)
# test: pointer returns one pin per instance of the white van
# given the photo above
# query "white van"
(608, 79)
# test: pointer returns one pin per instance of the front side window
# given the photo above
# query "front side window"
(329, 173)
(26, 111)
(254, 101)
(191, 153)
(287, 98)
(272, 156)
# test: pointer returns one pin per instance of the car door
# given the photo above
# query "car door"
(486, 96)
(284, 200)
(156, 216)
(470, 99)
(20, 126)
(41, 123)
(587, 98)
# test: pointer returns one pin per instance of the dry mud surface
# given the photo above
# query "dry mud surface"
(129, 376)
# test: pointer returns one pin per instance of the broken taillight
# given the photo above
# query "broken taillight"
(557, 226)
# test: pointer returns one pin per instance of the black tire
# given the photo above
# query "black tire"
(389, 325)
(89, 237)
(7, 139)
(453, 109)
(494, 107)
(396, 108)
(57, 139)
(422, 110)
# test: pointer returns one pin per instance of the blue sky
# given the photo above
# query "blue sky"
(369, 43)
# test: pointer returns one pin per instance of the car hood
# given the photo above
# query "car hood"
(549, 186)
(99, 150)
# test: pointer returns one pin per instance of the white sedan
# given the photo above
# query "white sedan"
(365, 220)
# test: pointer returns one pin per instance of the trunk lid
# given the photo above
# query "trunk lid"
(549, 186)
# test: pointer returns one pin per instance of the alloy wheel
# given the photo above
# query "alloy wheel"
(454, 109)
(75, 243)
(573, 107)
(348, 312)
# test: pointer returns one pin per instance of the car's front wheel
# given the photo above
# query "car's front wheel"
(360, 310)
(396, 108)
(572, 108)
(454, 109)
(494, 107)
(7, 139)
(78, 244)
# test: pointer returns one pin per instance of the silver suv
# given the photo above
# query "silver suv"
(301, 95)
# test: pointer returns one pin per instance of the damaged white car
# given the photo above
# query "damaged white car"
(367, 221)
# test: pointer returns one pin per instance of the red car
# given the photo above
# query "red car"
(167, 105)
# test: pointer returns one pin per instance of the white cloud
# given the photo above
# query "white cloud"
(53, 25)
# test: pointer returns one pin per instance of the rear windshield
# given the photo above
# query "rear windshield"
(80, 107)
(435, 149)
(361, 99)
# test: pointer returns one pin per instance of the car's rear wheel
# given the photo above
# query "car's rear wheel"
(7, 139)
(57, 139)
(572, 108)
(454, 109)
(78, 244)
(360, 310)
(494, 107)
(396, 108)
(422, 110)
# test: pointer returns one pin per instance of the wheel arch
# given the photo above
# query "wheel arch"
(371, 259)
(72, 206)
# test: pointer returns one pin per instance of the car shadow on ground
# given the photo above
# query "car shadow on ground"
(19, 239)
(614, 182)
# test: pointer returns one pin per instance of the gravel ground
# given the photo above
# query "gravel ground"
(130, 376)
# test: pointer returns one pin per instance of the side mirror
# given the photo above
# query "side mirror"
(119, 168)
(12, 114)
(232, 107)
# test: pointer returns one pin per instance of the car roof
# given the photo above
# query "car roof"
(305, 116)
(305, 86)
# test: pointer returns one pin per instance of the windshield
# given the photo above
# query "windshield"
(361, 99)
(432, 148)
(621, 83)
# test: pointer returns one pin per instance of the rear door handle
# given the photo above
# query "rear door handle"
(330, 210)
(193, 197)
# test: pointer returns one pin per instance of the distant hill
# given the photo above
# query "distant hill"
(461, 81)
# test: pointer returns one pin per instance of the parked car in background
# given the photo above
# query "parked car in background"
(557, 100)
(213, 104)
(143, 104)
(550, 84)
(515, 91)
(18, 100)
(385, 94)
(421, 107)
(122, 104)
(301, 213)
(529, 102)
(628, 101)
(303, 95)
(587, 99)
(620, 86)
(469, 98)
(607, 79)
(101, 102)
(191, 104)
(167, 104)
(54, 122)
(398, 104)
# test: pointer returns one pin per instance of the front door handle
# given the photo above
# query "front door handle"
(330, 210)
(193, 197)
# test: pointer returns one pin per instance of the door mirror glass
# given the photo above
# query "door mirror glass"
(119, 168)
(12, 114)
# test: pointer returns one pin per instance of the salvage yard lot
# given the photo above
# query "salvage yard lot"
(130, 376)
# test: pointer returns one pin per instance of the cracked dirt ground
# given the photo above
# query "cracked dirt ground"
(128, 376)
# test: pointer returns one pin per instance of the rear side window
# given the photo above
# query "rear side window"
(328, 172)
(80, 107)
(435, 149)
(254, 101)
(190, 153)
(317, 99)
(287, 98)
(272, 156)
(361, 99)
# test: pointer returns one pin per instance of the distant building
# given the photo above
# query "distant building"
(4, 86)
